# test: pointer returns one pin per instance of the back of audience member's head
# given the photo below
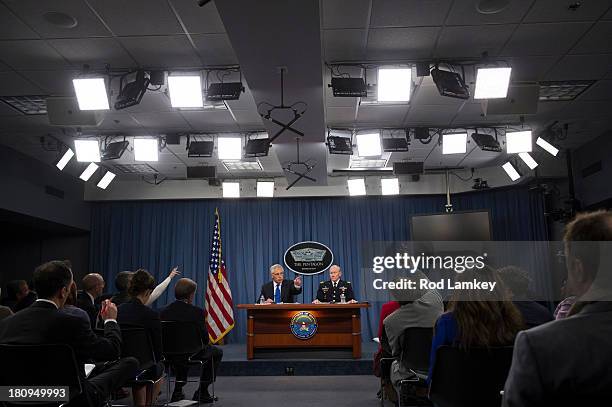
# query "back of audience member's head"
(141, 282)
(516, 281)
(122, 280)
(484, 318)
(72, 295)
(51, 277)
(16, 289)
(407, 296)
(184, 289)
(93, 283)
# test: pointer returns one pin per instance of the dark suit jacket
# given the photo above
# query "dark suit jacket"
(42, 323)
(183, 312)
(136, 313)
(120, 298)
(5, 312)
(534, 314)
(327, 292)
(563, 362)
(288, 290)
(84, 302)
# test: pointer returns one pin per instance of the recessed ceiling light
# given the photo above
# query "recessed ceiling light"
(89, 171)
(185, 91)
(62, 20)
(146, 149)
(91, 93)
(518, 142)
(454, 143)
(65, 159)
(394, 84)
(389, 186)
(229, 148)
(527, 159)
(511, 171)
(265, 189)
(356, 186)
(231, 189)
(368, 144)
(87, 150)
(106, 179)
(547, 146)
(492, 83)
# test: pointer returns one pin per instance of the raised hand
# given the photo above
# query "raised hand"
(298, 281)
(174, 272)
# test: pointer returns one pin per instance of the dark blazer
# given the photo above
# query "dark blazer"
(534, 314)
(288, 290)
(120, 298)
(84, 302)
(136, 313)
(563, 362)
(183, 312)
(327, 292)
(42, 323)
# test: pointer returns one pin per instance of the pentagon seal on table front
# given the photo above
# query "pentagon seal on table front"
(303, 325)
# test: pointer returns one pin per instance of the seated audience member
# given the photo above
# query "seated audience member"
(16, 291)
(477, 318)
(70, 307)
(42, 323)
(418, 309)
(4, 311)
(567, 362)
(123, 280)
(136, 313)
(387, 309)
(564, 306)
(183, 310)
(93, 286)
(517, 282)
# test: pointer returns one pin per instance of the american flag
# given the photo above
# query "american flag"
(219, 306)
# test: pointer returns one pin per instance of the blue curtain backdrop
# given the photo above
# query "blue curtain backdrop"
(158, 235)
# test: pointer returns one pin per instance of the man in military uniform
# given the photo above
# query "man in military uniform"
(331, 290)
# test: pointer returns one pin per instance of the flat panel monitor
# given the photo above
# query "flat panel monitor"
(456, 226)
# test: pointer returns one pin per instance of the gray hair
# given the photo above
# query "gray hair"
(274, 267)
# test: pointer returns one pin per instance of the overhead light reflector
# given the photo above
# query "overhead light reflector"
(185, 91)
(394, 84)
(265, 189)
(389, 186)
(450, 84)
(454, 143)
(106, 179)
(229, 148)
(356, 186)
(492, 83)
(114, 151)
(91, 93)
(527, 159)
(518, 142)
(89, 171)
(339, 145)
(146, 149)
(87, 150)
(368, 144)
(511, 171)
(65, 159)
(231, 189)
(547, 146)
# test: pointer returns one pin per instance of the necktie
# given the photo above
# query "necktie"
(277, 297)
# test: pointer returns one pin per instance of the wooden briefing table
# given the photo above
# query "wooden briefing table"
(338, 326)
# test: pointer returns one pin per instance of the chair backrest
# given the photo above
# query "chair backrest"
(416, 346)
(472, 377)
(40, 365)
(136, 342)
(181, 338)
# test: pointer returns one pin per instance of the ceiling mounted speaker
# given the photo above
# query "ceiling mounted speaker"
(64, 111)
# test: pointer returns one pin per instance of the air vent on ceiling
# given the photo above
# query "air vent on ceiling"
(368, 163)
(135, 169)
(555, 91)
(235, 166)
(30, 105)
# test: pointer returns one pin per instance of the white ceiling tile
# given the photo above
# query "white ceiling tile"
(248, 117)
(118, 121)
(12, 84)
(580, 67)
(7, 110)
(163, 52)
(138, 17)
(96, 52)
(343, 45)
(429, 95)
(600, 90)
(531, 68)
(472, 41)
(345, 13)
(401, 13)
(544, 39)
(608, 15)
(161, 120)
(466, 13)
(436, 115)
(24, 123)
(340, 115)
(33, 11)
(199, 20)
(556, 11)
(401, 43)
(215, 49)
(30, 54)
(12, 27)
(204, 121)
(383, 115)
(152, 101)
(53, 82)
(596, 41)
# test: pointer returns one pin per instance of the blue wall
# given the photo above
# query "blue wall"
(158, 235)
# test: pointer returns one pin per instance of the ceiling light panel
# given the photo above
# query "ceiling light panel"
(518, 142)
(492, 83)
(185, 91)
(394, 84)
(87, 150)
(91, 93)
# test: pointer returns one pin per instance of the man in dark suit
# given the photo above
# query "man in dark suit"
(122, 280)
(280, 290)
(93, 286)
(331, 290)
(183, 310)
(42, 323)
(567, 362)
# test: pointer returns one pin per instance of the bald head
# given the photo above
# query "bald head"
(93, 283)
(185, 289)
